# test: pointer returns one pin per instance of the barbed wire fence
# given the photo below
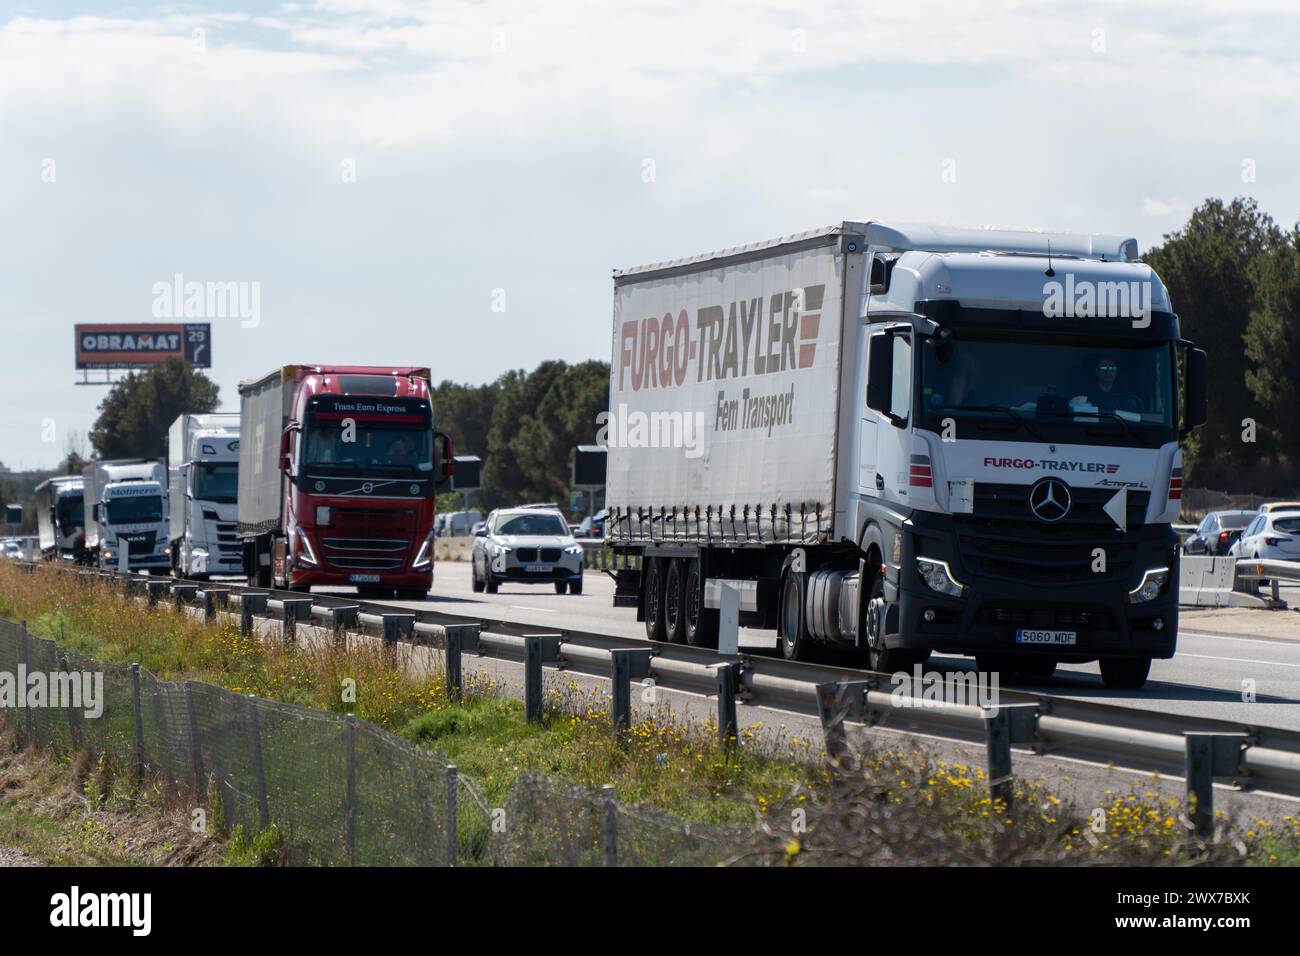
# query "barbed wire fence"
(339, 790)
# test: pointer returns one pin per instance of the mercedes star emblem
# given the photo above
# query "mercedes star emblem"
(1049, 500)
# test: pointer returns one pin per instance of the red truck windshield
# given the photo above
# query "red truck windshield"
(366, 447)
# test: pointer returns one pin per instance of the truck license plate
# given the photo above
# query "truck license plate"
(537, 568)
(364, 578)
(1027, 636)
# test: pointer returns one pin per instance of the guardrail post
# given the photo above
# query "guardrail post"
(183, 594)
(155, 590)
(214, 598)
(1209, 755)
(452, 778)
(293, 611)
(250, 603)
(838, 701)
(395, 625)
(608, 826)
(457, 638)
(533, 679)
(621, 707)
(340, 618)
(139, 725)
(1003, 726)
(131, 586)
(728, 730)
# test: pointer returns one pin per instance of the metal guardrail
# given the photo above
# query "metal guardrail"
(1264, 758)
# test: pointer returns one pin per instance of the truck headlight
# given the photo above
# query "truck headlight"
(938, 577)
(305, 554)
(425, 555)
(1153, 582)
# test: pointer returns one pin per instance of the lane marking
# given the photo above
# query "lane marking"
(1237, 660)
(524, 607)
(1270, 641)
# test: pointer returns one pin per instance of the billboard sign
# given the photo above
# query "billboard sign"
(142, 344)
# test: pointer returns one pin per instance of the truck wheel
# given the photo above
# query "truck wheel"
(886, 660)
(654, 599)
(796, 645)
(701, 622)
(1125, 672)
(675, 602)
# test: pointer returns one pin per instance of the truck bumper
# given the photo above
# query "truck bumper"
(993, 609)
(304, 577)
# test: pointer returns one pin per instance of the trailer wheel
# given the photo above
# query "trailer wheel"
(796, 645)
(654, 599)
(1127, 673)
(675, 602)
(701, 622)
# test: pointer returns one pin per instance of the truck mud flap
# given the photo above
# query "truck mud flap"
(627, 588)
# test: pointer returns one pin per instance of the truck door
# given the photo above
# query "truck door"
(867, 426)
(889, 401)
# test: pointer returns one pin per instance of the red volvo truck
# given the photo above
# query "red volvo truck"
(338, 468)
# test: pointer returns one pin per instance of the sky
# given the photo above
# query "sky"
(451, 183)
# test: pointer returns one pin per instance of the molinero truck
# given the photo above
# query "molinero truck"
(898, 440)
(338, 468)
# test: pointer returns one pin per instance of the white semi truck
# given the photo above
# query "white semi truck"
(60, 520)
(898, 440)
(202, 494)
(126, 512)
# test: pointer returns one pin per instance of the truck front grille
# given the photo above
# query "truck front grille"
(366, 544)
(1003, 538)
(364, 564)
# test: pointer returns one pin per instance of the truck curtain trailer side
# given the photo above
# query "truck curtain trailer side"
(893, 440)
(338, 469)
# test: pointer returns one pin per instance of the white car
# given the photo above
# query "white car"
(526, 546)
(1275, 534)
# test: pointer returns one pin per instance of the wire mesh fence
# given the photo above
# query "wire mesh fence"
(339, 790)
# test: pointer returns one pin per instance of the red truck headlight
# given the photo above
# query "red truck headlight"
(424, 557)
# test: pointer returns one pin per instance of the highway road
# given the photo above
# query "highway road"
(1221, 655)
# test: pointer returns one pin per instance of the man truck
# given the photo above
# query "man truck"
(202, 484)
(125, 513)
(338, 468)
(892, 440)
(60, 518)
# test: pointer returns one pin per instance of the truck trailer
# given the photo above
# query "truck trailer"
(60, 518)
(338, 468)
(893, 440)
(202, 485)
(126, 512)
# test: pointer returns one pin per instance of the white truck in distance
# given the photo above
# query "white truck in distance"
(60, 523)
(125, 511)
(202, 490)
(898, 440)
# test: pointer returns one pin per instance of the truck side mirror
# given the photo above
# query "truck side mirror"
(1196, 403)
(880, 373)
(446, 461)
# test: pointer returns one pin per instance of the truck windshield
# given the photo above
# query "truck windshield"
(1035, 384)
(216, 481)
(373, 447)
(72, 512)
(134, 510)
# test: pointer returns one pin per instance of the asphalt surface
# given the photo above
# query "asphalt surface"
(1223, 657)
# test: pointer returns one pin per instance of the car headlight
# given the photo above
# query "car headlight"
(938, 577)
(501, 549)
(573, 549)
(1153, 582)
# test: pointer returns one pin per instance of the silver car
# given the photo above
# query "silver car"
(528, 546)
